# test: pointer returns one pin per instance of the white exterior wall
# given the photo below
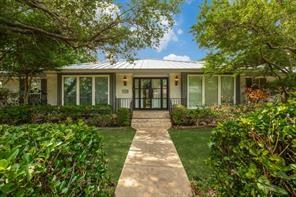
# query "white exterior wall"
(175, 91)
(52, 85)
(121, 90)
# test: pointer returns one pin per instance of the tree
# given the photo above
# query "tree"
(28, 58)
(42, 35)
(105, 25)
(249, 35)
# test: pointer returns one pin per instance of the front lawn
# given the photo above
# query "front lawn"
(116, 143)
(193, 149)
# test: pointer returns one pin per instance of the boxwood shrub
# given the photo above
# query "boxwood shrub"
(98, 115)
(181, 116)
(52, 160)
(123, 117)
(255, 155)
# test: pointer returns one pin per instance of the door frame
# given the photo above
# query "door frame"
(161, 92)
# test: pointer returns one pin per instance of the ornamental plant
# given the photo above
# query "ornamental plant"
(255, 155)
(52, 160)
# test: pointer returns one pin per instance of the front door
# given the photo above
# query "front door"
(150, 93)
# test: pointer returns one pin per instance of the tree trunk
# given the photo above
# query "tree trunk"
(27, 88)
(284, 95)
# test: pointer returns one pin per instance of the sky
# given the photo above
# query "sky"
(179, 44)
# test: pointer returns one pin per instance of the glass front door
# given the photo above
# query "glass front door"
(150, 93)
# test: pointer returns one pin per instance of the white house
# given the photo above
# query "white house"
(144, 84)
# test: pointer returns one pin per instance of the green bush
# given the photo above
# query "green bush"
(52, 160)
(181, 116)
(255, 155)
(98, 115)
(123, 117)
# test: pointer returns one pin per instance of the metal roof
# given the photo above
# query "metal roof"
(144, 64)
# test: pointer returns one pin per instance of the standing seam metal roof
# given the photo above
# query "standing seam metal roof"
(137, 65)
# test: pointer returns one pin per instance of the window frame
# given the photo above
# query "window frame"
(93, 94)
(219, 99)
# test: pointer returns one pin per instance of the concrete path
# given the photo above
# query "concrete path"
(153, 167)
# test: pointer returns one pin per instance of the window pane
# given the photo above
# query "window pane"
(211, 86)
(101, 85)
(195, 91)
(70, 90)
(227, 89)
(35, 92)
(85, 84)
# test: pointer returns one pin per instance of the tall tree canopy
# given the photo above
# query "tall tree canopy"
(104, 25)
(252, 35)
(37, 35)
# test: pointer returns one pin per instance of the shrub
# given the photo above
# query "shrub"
(15, 115)
(181, 116)
(99, 115)
(123, 117)
(52, 160)
(255, 155)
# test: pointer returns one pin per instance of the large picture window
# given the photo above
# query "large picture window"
(210, 90)
(227, 89)
(101, 84)
(211, 93)
(194, 91)
(85, 85)
(70, 89)
(85, 90)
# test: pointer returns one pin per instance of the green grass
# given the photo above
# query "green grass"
(193, 149)
(116, 142)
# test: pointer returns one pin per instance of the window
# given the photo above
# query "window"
(227, 89)
(211, 93)
(85, 84)
(35, 91)
(102, 92)
(70, 84)
(256, 83)
(91, 90)
(194, 91)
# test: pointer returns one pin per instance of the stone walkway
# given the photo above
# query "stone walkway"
(153, 167)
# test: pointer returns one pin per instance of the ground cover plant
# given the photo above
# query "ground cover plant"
(52, 159)
(98, 115)
(255, 154)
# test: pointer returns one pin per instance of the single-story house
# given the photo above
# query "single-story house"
(143, 85)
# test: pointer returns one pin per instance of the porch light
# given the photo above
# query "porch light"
(176, 80)
(124, 80)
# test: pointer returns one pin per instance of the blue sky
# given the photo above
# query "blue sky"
(179, 43)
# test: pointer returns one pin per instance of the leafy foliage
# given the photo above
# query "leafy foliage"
(210, 115)
(98, 115)
(250, 36)
(52, 159)
(123, 117)
(112, 27)
(255, 155)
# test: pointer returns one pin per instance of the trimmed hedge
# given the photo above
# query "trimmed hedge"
(98, 115)
(255, 155)
(123, 117)
(52, 160)
(181, 116)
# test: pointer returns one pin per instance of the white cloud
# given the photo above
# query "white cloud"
(170, 36)
(177, 57)
(179, 31)
(189, 1)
